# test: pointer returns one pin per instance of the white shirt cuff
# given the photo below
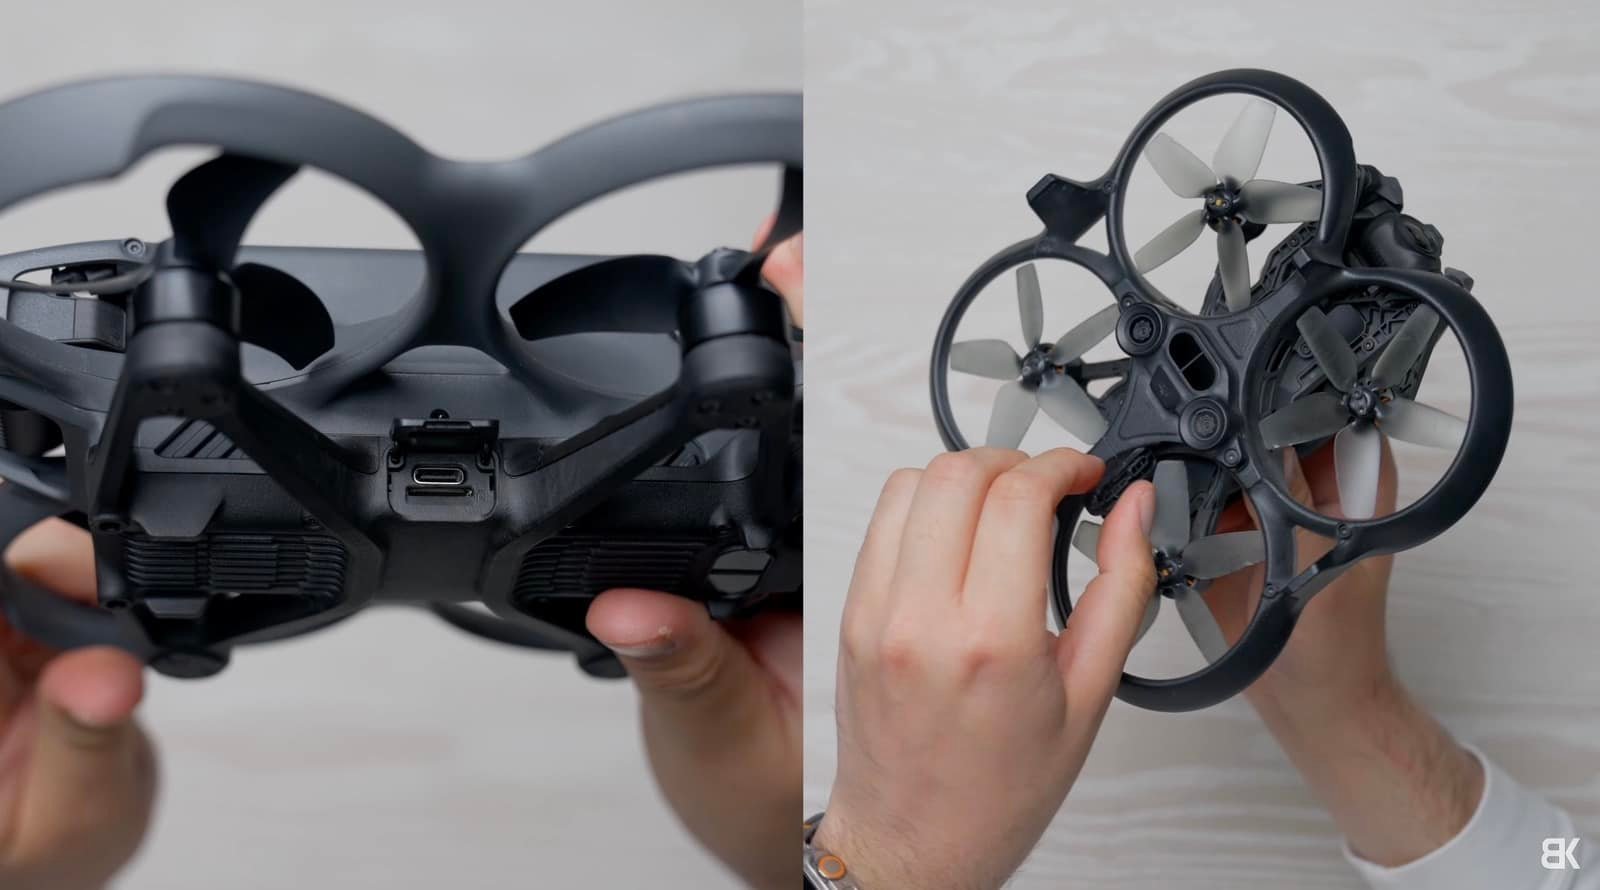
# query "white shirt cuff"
(1502, 847)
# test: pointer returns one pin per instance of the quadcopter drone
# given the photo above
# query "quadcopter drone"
(259, 448)
(1330, 343)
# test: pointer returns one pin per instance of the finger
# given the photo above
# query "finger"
(1010, 561)
(91, 773)
(681, 661)
(58, 556)
(1104, 624)
(865, 605)
(938, 537)
(785, 271)
(784, 268)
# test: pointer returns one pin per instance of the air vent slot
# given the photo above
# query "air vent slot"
(586, 564)
(1192, 361)
(239, 564)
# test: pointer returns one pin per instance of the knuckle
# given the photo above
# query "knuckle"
(954, 468)
(901, 482)
(900, 653)
(1018, 488)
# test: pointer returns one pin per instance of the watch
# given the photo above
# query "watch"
(823, 870)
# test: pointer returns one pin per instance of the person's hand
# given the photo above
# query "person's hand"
(720, 704)
(963, 721)
(77, 775)
(1395, 782)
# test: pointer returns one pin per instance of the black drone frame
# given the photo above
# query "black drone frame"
(225, 511)
(1162, 413)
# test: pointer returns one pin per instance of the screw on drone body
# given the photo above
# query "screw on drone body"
(109, 525)
(1231, 457)
(439, 414)
(117, 603)
(396, 459)
(133, 247)
(1344, 530)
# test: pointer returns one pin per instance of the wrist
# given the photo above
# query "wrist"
(879, 859)
(1395, 781)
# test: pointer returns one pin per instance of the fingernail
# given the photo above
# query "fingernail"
(1147, 509)
(655, 647)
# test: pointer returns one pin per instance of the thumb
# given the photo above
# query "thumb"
(678, 657)
(92, 772)
(1105, 623)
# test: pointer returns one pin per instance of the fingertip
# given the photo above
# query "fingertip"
(98, 688)
(785, 271)
(641, 623)
(1139, 502)
(56, 555)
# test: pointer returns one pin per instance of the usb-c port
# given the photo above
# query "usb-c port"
(439, 475)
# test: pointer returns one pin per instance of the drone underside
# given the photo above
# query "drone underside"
(263, 441)
(1326, 347)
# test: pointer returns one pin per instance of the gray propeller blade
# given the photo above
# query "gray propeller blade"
(1357, 459)
(1269, 201)
(1074, 343)
(1086, 540)
(1030, 304)
(1239, 154)
(1171, 529)
(1170, 241)
(1316, 415)
(1216, 555)
(1201, 623)
(1014, 409)
(1403, 351)
(1070, 407)
(1234, 265)
(1334, 356)
(986, 358)
(1422, 424)
(1185, 174)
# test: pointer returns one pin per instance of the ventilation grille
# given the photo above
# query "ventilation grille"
(198, 440)
(312, 565)
(581, 564)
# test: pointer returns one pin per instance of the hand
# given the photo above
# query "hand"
(1396, 783)
(77, 775)
(963, 721)
(720, 704)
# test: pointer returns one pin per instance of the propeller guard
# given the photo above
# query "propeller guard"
(1360, 249)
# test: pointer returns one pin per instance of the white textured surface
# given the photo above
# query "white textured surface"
(928, 122)
(392, 751)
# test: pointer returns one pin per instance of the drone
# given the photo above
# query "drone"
(261, 445)
(1328, 345)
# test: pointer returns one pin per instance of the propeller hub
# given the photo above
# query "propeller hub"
(1171, 573)
(1036, 364)
(1222, 203)
(1362, 401)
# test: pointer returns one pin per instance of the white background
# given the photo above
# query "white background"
(928, 122)
(392, 751)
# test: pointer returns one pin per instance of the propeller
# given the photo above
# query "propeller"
(641, 293)
(1231, 196)
(1182, 561)
(1358, 412)
(209, 209)
(1036, 382)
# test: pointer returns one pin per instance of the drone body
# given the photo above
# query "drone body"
(261, 445)
(1328, 345)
